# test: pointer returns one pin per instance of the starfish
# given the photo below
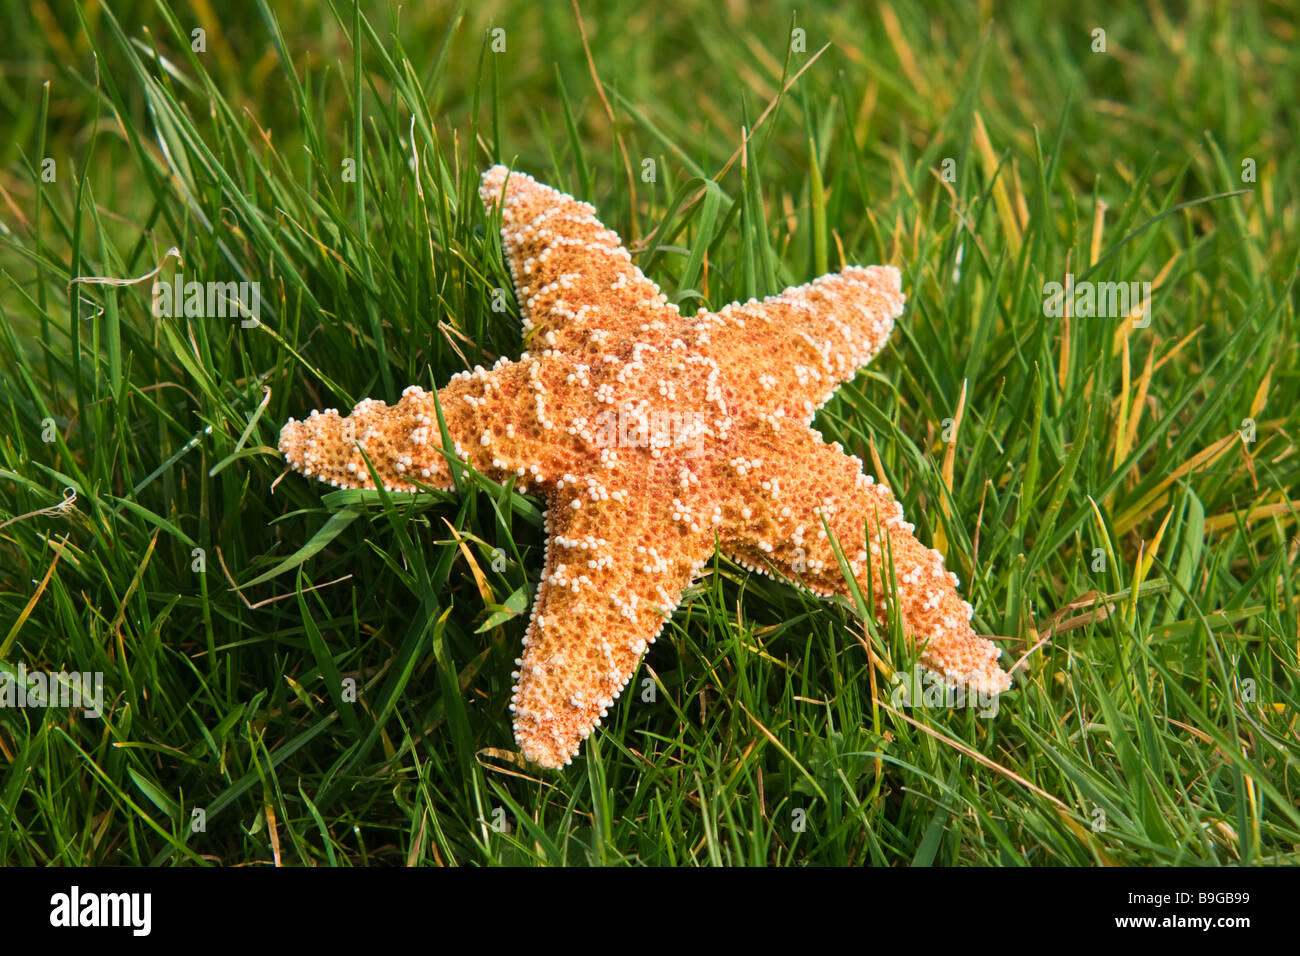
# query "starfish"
(655, 439)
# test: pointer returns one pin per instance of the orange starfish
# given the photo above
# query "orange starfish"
(656, 438)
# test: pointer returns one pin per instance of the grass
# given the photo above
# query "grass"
(1116, 497)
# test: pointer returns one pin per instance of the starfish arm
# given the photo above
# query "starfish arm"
(794, 483)
(401, 440)
(576, 284)
(494, 420)
(806, 340)
(611, 581)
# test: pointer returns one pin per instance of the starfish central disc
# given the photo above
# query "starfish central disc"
(656, 438)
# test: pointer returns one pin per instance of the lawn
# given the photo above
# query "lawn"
(313, 677)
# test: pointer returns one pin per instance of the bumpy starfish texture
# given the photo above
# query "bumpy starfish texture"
(656, 438)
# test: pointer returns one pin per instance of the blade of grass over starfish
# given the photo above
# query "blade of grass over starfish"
(775, 520)
(575, 283)
(612, 579)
